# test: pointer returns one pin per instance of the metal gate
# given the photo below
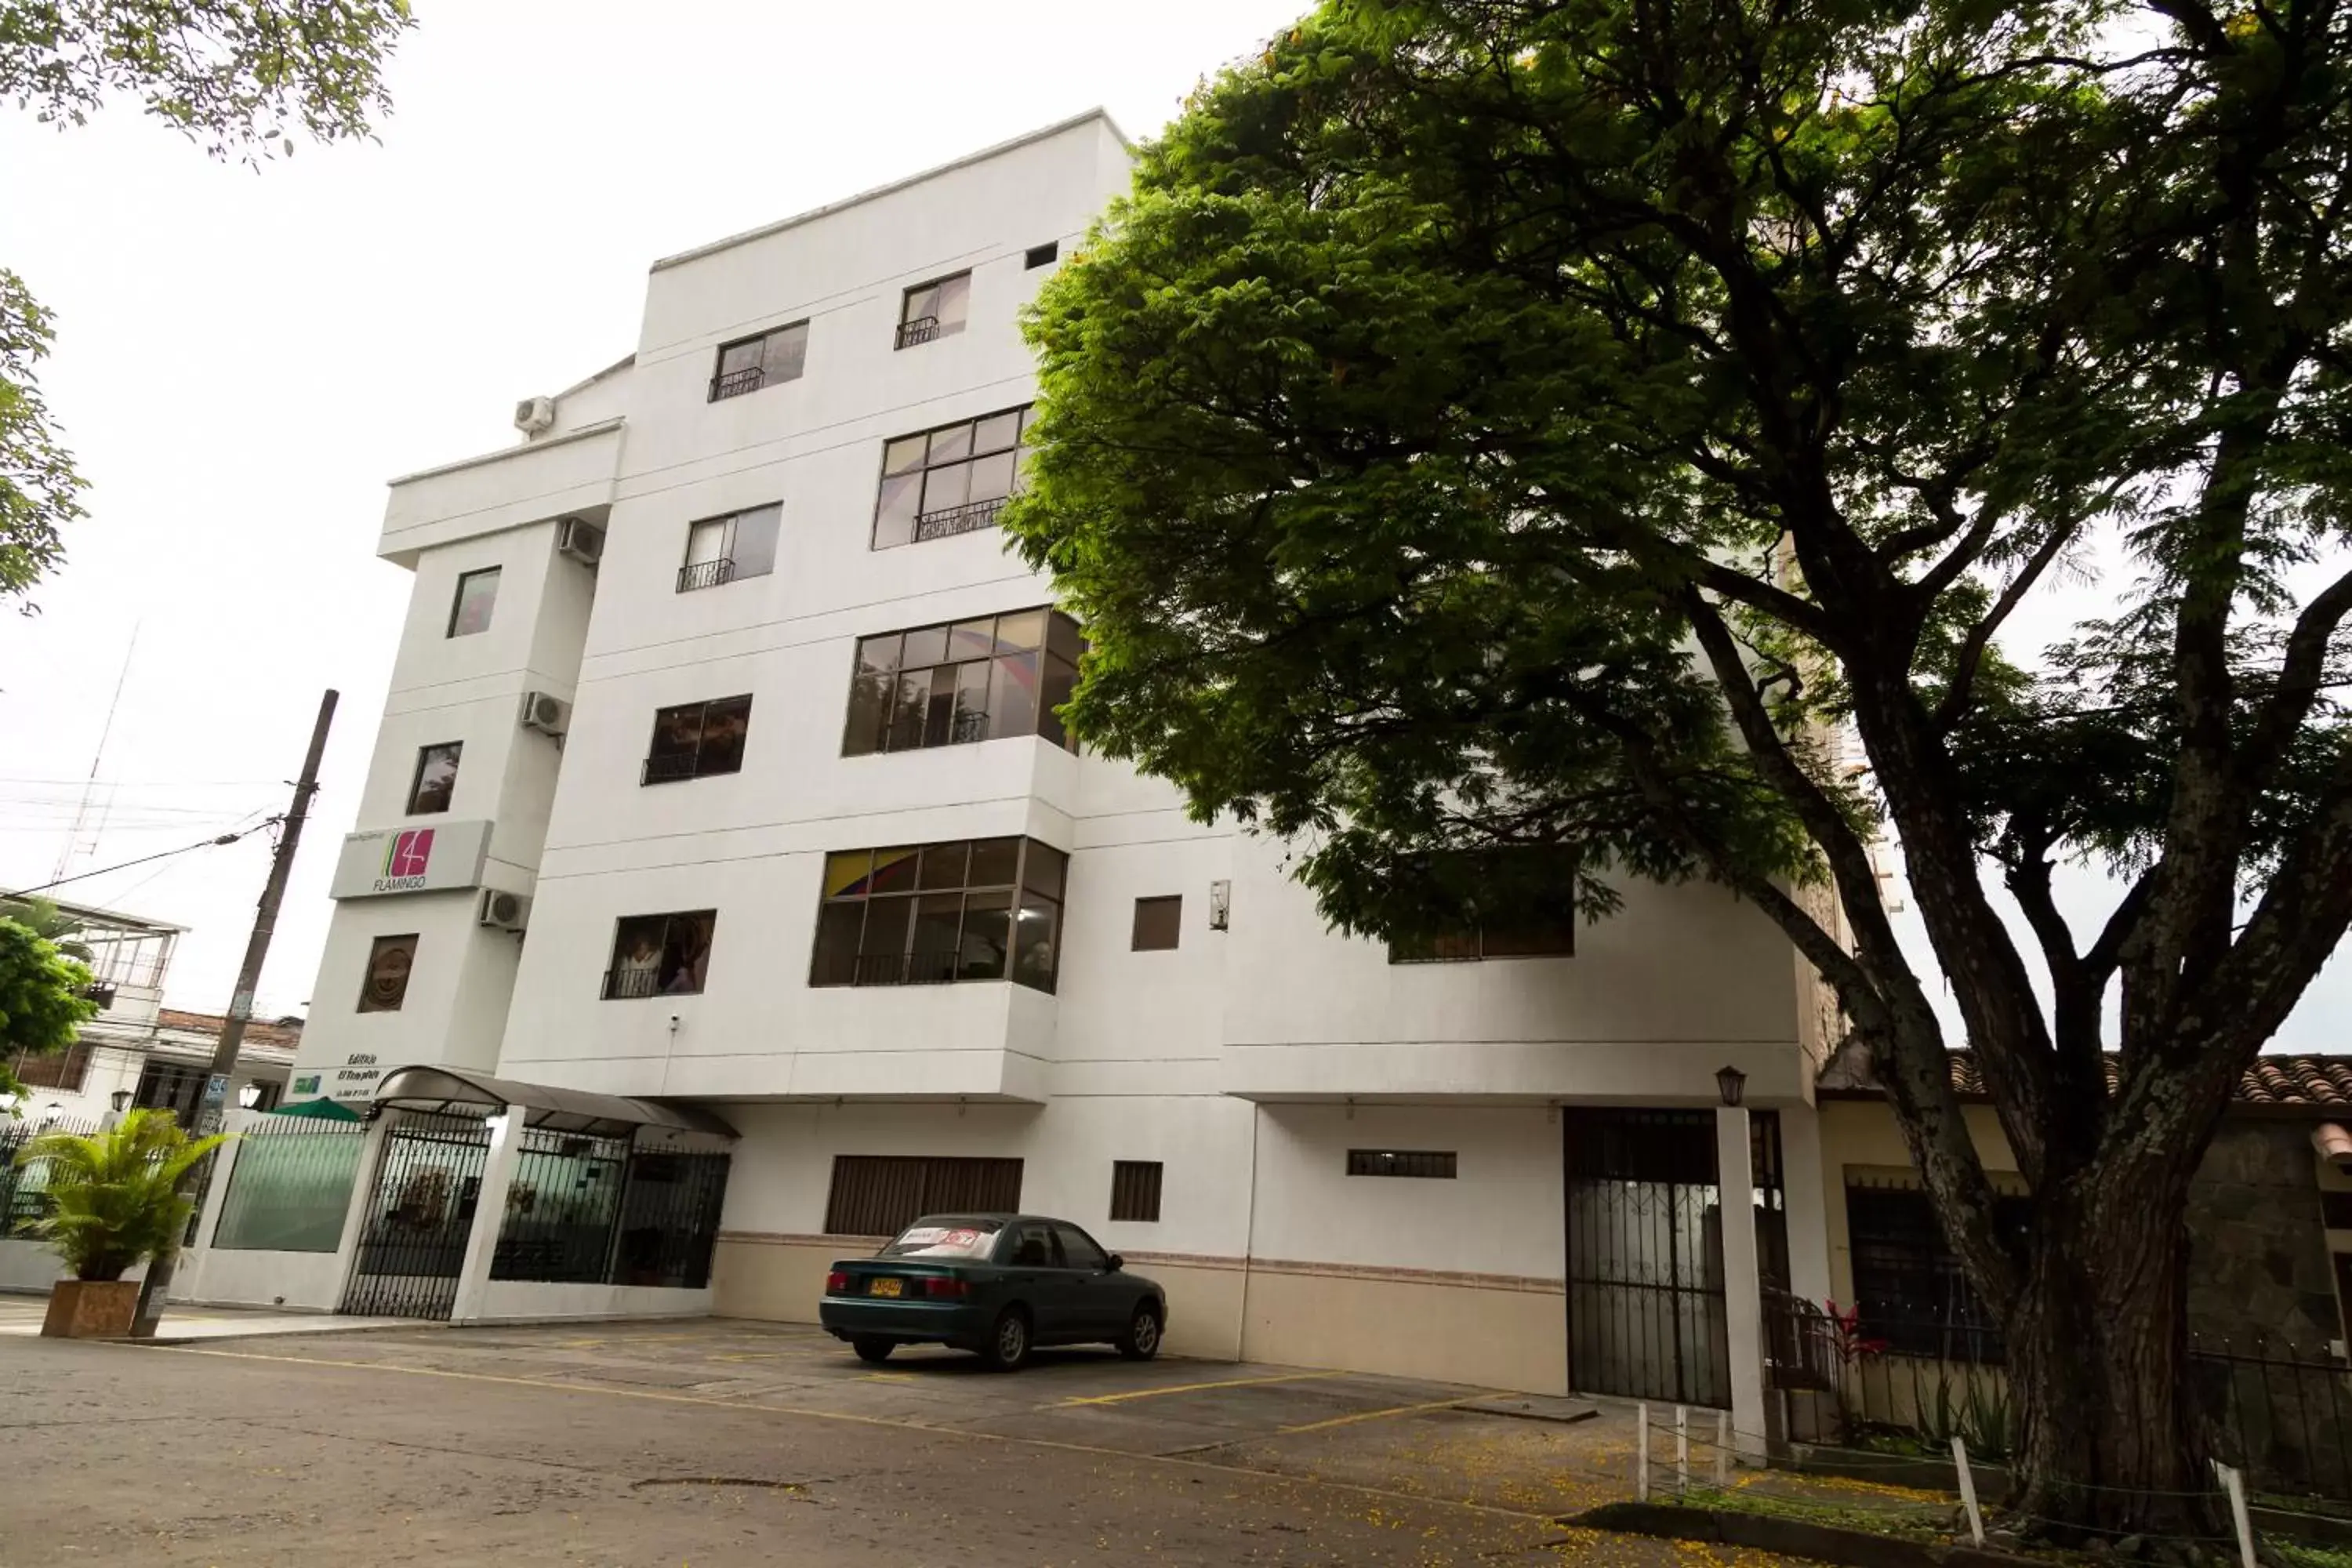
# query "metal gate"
(420, 1213)
(1645, 1286)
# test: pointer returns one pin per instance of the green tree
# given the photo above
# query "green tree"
(45, 920)
(112, 1199)
(42, 1004)
(230, 75)
(1629, 429)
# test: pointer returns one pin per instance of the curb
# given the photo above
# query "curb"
(1791, 1537)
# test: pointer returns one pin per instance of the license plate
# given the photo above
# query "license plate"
(886, 1288)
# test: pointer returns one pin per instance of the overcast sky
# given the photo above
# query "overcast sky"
(244, 359)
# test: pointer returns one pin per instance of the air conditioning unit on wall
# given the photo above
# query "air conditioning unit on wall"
(504, 912)
(580, 539)
(546, 714)
(534, 416)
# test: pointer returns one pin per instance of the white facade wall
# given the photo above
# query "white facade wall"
(1249, 1062)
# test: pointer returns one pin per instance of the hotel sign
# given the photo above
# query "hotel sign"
(442, 857)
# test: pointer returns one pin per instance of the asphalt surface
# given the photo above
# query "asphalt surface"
(717, 1443)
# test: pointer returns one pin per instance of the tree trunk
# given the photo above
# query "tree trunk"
(2110, 1439)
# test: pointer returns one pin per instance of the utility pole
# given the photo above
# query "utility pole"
(152, 1293)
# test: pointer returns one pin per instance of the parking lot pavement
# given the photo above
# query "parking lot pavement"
(718, 1443)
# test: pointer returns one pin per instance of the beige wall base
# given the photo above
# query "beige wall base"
(1499, 1333)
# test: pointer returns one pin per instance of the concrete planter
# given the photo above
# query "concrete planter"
(91, 1310)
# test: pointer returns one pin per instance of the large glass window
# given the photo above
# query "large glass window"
(934, 309)
(953, 479)
(721, 549)
(436, 778)
(697, 739)
(660, 955)
(1518, 903)
(747, 364)
(982, 680)
(476, 597)
(986, 909)
(1908, 1285)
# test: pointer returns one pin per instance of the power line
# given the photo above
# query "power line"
(125, 866)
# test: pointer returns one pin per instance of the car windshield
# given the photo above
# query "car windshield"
(967, 1239)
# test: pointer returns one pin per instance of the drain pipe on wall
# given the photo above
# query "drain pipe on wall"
(1249, 1236)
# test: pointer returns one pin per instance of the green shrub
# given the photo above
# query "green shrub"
(112, 1198)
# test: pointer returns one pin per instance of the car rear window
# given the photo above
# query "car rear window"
(962, 1238)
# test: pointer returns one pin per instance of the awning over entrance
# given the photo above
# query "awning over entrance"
(561, 1109)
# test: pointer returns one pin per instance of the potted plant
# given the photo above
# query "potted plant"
(111, 1200)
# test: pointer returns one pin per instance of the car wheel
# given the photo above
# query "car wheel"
(869, 1348)
(1007, 1349)
(1141, 1341)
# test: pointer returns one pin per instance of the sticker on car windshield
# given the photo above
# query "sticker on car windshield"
(942, 1241)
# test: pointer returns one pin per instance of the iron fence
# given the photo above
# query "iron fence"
(969, 518)
(735, 383)
(2282, 1415)
(921, 330)
(22, 1187)
(419, 1215)
(706, 575)
(596, 1211)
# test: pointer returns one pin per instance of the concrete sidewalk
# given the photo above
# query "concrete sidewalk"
(191, 1325)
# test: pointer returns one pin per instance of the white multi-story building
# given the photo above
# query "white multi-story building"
(725, 674)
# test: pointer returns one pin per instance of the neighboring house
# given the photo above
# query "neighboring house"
(152, 1055)
(720, 765)
(2269, 1215)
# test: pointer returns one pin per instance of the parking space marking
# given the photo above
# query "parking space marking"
(1413, 1499)
(1381, 1414)
(1198, 1388)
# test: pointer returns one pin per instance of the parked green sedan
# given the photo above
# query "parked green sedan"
(1000, 1284)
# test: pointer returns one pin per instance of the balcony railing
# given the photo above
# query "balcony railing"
(628, 985)
(670, 768)
(969, 518)
(921, 330)
(735, 383)
(933, 968)
(706, 575)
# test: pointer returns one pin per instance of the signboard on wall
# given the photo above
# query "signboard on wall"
(442, 857)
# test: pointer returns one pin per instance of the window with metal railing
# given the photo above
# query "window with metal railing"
(719, 550)
(766, 359)
(932, 310)
(63, 1070)
(983, 679)
(1437, 1163)
(881, 1194)
(953, 479)
(1908, 1286)
(1135, 1190)
(660, 955)
(697, 740)
(918, 914)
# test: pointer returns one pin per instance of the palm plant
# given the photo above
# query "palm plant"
(112, 1198)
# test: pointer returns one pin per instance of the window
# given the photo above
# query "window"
(1135, 1190)
(62, 1069)
(265, 1095)
(748, 364)
(951, 480)
(477, 595)
(169, 1086)
(1041, 255)
(972, 1239)
(660, 955)
(1518, 903)
(698, 740)
(934, 309)
(385, 985)
(882, 1195)
(1437, 1164)
(721, 549)
(1079, 1249)
(986, 909)
(985, 679)
(436, 778)
(1908, 1285)
(1157, 923)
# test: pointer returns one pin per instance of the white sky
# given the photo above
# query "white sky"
(244, 359)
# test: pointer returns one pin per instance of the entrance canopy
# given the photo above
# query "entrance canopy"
(561, 1109)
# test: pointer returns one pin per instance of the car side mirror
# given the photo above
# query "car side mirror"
(1116, 1263)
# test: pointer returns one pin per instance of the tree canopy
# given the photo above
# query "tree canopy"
(1631, 430)
(236, 77)
(42, 1004)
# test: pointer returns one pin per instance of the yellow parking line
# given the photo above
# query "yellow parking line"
(1392, 1410)
(1199, 1388)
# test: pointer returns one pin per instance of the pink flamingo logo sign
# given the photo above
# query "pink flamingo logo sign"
(404, 863)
